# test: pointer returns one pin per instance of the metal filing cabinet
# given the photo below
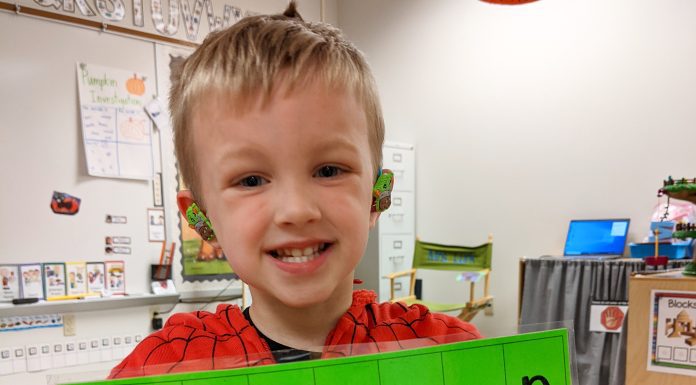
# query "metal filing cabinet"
(390, 245)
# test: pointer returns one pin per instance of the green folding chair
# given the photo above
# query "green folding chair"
(431, 256)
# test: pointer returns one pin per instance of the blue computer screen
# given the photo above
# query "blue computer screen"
(596, 237)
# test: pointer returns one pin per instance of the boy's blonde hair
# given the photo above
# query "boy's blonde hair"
(257, 55)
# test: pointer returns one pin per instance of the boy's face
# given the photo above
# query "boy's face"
(287, 187)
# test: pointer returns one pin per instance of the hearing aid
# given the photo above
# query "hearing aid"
(199, 222)
(381, 191)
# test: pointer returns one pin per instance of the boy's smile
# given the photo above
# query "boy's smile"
(287, 187)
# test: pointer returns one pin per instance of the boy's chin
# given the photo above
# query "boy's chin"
(308, 297)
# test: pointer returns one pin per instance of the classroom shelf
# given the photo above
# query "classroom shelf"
(82, 305)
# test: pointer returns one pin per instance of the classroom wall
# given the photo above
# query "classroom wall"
(41, 150)
(525, 117)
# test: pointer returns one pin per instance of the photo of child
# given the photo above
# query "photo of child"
(116, 277)
(77, 283)
(9, 279)
(54, 276)
(95, 277)
(31, 282)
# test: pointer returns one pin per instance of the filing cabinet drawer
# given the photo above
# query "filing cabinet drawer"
(402, 163)
(401, 288)
(400, 218)
(395, 253)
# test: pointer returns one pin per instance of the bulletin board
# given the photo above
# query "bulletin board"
(43, 150)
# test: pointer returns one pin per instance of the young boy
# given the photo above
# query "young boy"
(278, 133)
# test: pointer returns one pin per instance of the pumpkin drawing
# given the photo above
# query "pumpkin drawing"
(135, 85)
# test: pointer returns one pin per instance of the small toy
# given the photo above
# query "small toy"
(683, 189)
(657, 260)
(381, 192)
(199, 222)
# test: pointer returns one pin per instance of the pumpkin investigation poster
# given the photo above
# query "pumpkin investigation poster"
(116, 131)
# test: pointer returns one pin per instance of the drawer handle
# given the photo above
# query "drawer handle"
(396, 157)
(396, 217)
(397, 286)
(397, 201)
(398, 244)
(396, 258)
(398, 173)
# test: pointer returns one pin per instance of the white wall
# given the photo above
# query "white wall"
(525, 117)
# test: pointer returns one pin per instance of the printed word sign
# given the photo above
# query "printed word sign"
(526, 359)
(116, 131)
(673, 332)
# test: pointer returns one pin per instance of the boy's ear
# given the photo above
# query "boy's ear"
(374, 216)
(184, 199)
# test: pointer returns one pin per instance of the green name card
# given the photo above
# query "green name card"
(525, 359)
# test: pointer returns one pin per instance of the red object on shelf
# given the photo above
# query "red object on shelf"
(659, 260)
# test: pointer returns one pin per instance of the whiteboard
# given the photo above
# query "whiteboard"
(42, 150)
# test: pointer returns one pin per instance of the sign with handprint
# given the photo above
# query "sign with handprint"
(673, 332)
(607, 316)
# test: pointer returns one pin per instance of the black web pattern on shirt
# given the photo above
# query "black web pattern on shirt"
(217, 340)
(391, 327)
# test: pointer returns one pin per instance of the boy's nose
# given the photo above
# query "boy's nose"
(296, 206)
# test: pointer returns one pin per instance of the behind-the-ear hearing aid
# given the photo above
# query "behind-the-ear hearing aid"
(381, 191)
(199, 222)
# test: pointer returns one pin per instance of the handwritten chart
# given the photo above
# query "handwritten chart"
(117, 132)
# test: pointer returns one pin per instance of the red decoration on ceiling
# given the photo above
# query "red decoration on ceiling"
(509, 2)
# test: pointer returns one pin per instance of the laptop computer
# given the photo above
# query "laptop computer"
(596, 238)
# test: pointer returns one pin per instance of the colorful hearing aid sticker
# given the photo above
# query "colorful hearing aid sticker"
(62, 203)
(199, 222)
(381, 191)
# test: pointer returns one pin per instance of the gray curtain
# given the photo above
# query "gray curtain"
(561, 290)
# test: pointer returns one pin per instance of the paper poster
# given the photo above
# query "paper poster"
(115, 277)
(77, 278)
(31, 283)
(9, 282)
(672, 343)
(95, 277)
(155, 225)
(116, 130)
(54, 277)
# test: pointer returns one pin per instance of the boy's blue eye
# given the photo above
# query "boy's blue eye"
(328, 172)
(252, 181)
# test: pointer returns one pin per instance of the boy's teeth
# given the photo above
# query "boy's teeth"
(299, 255)
(301, 259)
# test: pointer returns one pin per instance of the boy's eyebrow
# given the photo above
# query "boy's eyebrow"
(253, 152)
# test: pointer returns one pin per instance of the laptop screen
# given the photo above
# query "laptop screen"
(596, 237)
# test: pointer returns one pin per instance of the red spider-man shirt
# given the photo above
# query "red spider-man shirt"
(206, 341)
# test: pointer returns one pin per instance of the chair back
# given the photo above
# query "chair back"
(433, 256)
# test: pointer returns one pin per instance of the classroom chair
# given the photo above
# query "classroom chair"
(473, 262)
